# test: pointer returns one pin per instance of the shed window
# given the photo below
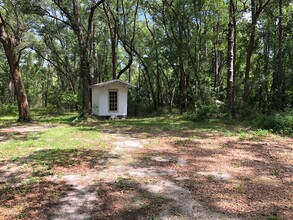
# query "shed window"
(113, 100)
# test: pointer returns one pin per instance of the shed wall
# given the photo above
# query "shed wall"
(100, 100)
(95, 101)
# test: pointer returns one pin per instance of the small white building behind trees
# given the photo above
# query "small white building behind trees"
(109, 99)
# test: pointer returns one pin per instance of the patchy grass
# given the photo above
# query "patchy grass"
(124, 183)
(59, 119)
(65, 137)
(243, 165)
(7, 120)
(27, 198)
(171, 123)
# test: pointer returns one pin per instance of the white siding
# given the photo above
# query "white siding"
(95, 100)
(100, 100)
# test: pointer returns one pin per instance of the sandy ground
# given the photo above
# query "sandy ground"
(175, 175)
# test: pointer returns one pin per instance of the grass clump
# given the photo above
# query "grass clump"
(274, 172)
(239, 188)
(274, 217)
(125, 183)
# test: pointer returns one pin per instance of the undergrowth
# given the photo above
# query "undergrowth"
(281, 123)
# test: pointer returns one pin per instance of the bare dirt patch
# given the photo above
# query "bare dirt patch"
(176, 175)
(78, 203)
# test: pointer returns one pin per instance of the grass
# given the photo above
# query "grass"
(160, 200)
(66, 133)
(7, 119)
(65, 137)
(239, 188)
(274, 172)
(63, 142)
(125, 183)
(55, 144)
(273, 217)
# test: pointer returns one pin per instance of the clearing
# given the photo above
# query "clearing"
(149, 168)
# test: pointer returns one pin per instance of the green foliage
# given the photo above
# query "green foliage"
(281, 123)
(274, 217)
(274, 172)
(62, 100)
(8, 109)
(204, 112)
(253, 135)
(124, 183)
(178, 52)
(81, 116)
(68, 98)
(239, 188)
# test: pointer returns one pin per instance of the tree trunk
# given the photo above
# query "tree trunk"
(95, 58)
(231, 59)
(183, 75)
(157, 73)
(84, 61)
(249, 51)
(280, 91)
(85, 81)
(22, 102)
(113, 30)
(216, 62)
(256, 9)
(9, 45)
(114, 57)
(266, 50)
(10, 92)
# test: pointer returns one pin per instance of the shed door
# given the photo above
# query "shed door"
(113, 100)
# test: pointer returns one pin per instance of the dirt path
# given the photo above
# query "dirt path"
(166, 177)
(78, 202)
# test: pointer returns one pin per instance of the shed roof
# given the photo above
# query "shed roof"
(105, 84)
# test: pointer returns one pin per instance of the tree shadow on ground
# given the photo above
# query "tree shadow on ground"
(21, 131)
(127, 199)
(221, 184)
(158, 127)
(35, 189)
(19, 136)
(25, 190)
(28, 199)
(50, 159)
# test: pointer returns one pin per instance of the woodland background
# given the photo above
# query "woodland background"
(204, 58)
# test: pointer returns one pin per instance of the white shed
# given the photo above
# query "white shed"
(110, 98)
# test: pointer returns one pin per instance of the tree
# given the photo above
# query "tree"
(10, 37)
(79, 18)
(256, 9)
(278, 86)
(231, 57)
(181, 54)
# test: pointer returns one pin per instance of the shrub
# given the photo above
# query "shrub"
(8, 109)
(204, 112)
(281, 123)
(61, 101)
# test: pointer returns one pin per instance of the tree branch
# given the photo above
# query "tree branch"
(90, 19)
(47, 13)
(71, 22)
(19, 53)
